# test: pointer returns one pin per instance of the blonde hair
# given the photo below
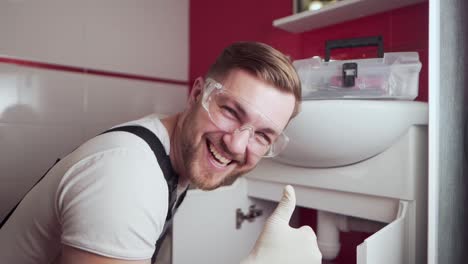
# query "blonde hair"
(263, 61)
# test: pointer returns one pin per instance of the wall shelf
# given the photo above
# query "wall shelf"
(338, 12)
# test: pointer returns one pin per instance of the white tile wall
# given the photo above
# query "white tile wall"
(151, 37)
(46, 30)
(26, 151)
(37, 96)
(45, 114)
(10, 193)
(143, 37)
(113, 100)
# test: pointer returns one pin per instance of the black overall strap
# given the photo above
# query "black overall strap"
(14, 208)
(169, 174)
(158, 149)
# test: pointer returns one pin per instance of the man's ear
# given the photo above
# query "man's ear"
(196, 92)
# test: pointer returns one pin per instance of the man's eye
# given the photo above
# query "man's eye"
(263, 138)
(229, 112)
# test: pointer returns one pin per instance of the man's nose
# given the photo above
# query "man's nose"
(238, 140)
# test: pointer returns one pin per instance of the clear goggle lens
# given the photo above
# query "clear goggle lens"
(226, 111)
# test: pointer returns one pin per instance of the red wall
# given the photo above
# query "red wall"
(215, 24)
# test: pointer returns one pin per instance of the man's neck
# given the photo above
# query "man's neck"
(171, 125)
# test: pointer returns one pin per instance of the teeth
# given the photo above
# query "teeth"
(224, 161)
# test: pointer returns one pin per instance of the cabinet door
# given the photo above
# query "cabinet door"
(205, 226)
(390, 244)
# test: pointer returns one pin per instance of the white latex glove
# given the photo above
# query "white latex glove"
(280, 243)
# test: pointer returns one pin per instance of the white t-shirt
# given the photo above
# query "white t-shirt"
(108, 197)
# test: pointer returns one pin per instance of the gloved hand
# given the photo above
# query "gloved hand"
(280, 243)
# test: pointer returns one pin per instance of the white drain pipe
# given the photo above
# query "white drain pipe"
(329, 226)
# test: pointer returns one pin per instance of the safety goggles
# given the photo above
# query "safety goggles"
(235, 115)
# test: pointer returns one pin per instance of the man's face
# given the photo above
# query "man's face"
(208, 155)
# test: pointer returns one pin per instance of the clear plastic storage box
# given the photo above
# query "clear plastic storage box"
(395, 76)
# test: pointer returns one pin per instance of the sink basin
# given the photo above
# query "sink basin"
(333, 133)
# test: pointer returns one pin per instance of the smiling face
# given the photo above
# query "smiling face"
(206, 155)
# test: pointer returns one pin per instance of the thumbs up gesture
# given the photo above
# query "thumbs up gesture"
(280, 243)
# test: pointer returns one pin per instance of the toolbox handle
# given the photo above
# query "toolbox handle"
(354, 42)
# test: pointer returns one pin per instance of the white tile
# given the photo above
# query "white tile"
(144, 37)
(26, 151)
(37, 96)
(173, 99)
(11, 193)
(46, 30)
(9, 95)
(116, 100)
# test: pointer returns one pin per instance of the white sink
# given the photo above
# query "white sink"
(332, 133)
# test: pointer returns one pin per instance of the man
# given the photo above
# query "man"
(107, 202)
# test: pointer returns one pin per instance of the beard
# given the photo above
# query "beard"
(199, 177)
(193, 161)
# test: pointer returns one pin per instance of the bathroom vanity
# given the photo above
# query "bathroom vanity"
(389, 187)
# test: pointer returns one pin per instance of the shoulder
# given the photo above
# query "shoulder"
(113, 202)
(114, 175)
(120, 139)
(154, 124)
